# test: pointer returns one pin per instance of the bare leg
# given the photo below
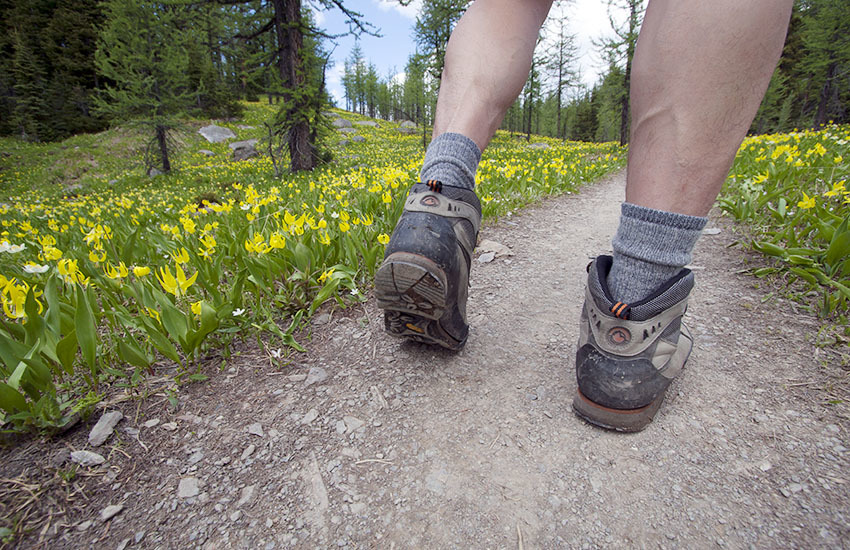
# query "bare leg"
(487, 62)
(700, 72)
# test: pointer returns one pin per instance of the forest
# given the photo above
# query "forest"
(75, 66)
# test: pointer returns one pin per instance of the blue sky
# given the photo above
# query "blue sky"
(588, 20)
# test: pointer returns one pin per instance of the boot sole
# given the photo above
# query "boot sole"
(413, 292)
(621, 420)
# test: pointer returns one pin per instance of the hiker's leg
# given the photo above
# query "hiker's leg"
(487, 62)
(699, 73)
(422, 284)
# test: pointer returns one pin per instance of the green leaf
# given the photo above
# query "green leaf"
(11, 400)
(175, 322)
(803, 274)
(66, 351)
(35, 324)
(769, 248)
(11, 351)
(302, 257)
(129, 352)
(86, 329)
(53, 317)
(839, 248)
(130, 247)
(160, 342)
(327, 290)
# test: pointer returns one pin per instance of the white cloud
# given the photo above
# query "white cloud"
(409, 11)
(333, 81)
(318, 15)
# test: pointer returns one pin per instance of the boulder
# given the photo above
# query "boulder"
(408, 124)
(240, 144)
(206, 152)
(341, 123)
(358, 139)
(348, 130)
(216, 134)
(245, 153)
(369, 123)
(407, 131)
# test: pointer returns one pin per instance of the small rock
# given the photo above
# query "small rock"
(492, 246)
(110, 511)
(340, 427)
(82, 526)
(352, 423)
(154, 172)
(407, 124)
(215, 134)
(246, 495)
(188, 487)
(311, 415)
(256, 429)
(236, 515)
(151, 423)
(316, 375)
(87, 458)
(139, 536)
(123, 544)
(487, 257)
(322, 319)
(539, 146)
(103, 429)
(369, 123)
(711, 231)
(341, 123)
(357, 507)
(248, 144)
(206, 152)
(196, 457)
(764, 465)
(297, 377)
(358, 139)
(249, 450)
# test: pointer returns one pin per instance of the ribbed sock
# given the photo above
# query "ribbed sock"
(650, 247)
(452, 159)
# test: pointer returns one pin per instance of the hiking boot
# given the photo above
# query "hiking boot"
(423, 283)
(629, 353)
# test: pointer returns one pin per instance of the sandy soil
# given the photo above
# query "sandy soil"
(371, 442)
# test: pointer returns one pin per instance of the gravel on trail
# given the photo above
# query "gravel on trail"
(371, 442)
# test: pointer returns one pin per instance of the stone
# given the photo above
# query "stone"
(256, 429)
(352, 423)
(151, 423)
(487, 257)
(540, 145)
(87, 458)
(311, 415)
(110, 511)
(206, 152)
(249, 450)
(216, 134)
(341, 123)
(316, 375)
(82, 526)
(246, 495)
(240, 144)
(348, 130)
(369, 123)
(407, 124)
(188, 487)
(244, 153)
(498, 249)
(711, 231)
(153, 172)
(103, 429)
(407, 131)
(322, 319)
(358, 139)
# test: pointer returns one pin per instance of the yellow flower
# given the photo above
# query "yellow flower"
(196, 307)
(324, 238)
(153, 314)
(94, 258)
(173, 285)
(383, 238)
(366, 219)
(181, 257)
(277, 240)
(343, 226)
(325, 274)
(141, 271)
(807, 202)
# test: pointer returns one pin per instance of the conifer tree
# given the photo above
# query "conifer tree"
(142, 53)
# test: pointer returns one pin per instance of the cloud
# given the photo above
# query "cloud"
(318, 15)
(409, 11)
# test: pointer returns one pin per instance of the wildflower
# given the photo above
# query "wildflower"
(12, 248)
(277, 240)
(343, 226)
(324, 238)
(35, 268)
(181, 257)
(196, 307)
(325, 274)
(807, 202)
(95, 259)
(173, 285)
(141, 271)
(383, 238)
(386, 197)
(238, 312)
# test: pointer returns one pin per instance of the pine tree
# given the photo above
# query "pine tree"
(141, 52)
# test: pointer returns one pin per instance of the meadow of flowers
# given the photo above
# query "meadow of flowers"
(129, 274)
(793, 191)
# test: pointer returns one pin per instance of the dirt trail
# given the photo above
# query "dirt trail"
(405, 446)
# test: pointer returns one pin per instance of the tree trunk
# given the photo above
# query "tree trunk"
(287, 24)
(825, 94)
(163, 147)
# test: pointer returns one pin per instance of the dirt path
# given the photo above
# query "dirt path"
(404, 446)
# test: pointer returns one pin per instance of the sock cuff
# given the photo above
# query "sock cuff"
(662, 217)
(453, 159)
(656, 236)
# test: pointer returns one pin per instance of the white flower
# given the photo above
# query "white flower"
(334, 215)
(4, 246)
(12, 248)
(355, 292)
(35, 268)
(276, 353)
(244, 206)
(238, 312)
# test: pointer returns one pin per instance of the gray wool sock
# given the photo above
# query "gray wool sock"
(650, 247)
(451, 159)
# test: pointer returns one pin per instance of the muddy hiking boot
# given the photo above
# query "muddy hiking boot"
(629, 353)
(423, 283)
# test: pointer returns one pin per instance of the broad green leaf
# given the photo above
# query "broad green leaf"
(160, 342)
(86, 329)
(769, 248)
(35, 324)
(839, 248)
(129, 352)
(11, 400)
(66, 351)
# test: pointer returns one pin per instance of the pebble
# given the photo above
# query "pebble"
(297, 377)
(487, 257)
(340, 427)
(170, 426)
(196, 457)
(764, 465)
(151, 423)
(188, 487)
(103, 429)
(246, 495)
(311, 415)
(84, 525)
(236, 515)
(352, 423)
(123, 544)
(110, 511)
(256, 429)
(139, 536)
(316, 375)
(87, 458)
(249, 450)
